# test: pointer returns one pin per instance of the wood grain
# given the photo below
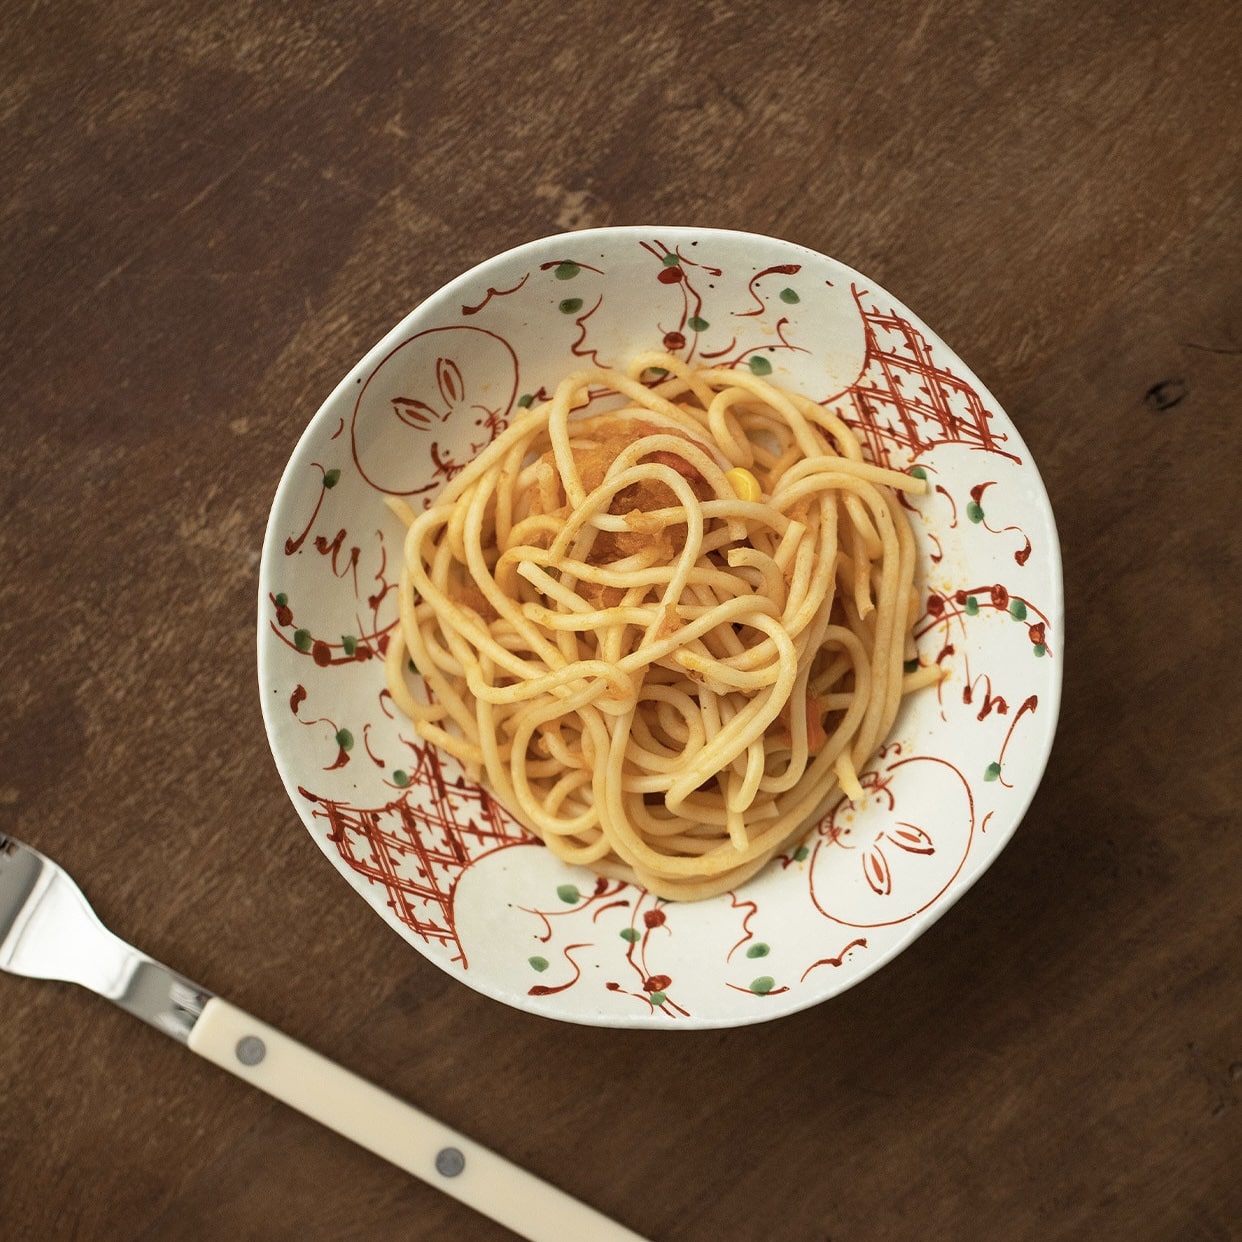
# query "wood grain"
(210, 212)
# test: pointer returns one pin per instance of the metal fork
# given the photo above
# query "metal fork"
(49, 931)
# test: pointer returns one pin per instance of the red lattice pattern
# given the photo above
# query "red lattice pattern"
(418, 849)
(905, 399)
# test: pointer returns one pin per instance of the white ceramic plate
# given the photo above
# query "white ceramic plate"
(435, 856)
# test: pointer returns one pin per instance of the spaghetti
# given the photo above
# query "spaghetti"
(666, 635)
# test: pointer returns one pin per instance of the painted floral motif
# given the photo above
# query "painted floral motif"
(439, 857)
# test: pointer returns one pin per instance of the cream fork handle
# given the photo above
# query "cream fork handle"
(400, 1133)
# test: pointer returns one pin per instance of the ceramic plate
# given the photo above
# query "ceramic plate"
(436, 856)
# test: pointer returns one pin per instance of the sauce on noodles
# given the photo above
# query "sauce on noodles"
(667, 636)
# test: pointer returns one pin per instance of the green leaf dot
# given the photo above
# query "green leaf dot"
(302, 640)
(789, 297)
(670, 260)
(658, 999)
(567, 270)
(525, 400)
(993, 772)
(569, 893)
(974, 511)
(919, 472)
(758, 950)
(400, 778)
(345, 739)
(282, 600)
(696, 323)
(759, 365)
(972, 606)
(570, 306)
(631, 934)
(1017, 609)
(539, 963)
(1040, 650)
(802, 853)
(763, 985)
(411, 666)
(331, 477)
(911, 666)
(349, 644)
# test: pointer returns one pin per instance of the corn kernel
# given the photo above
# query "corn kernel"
(744, 484)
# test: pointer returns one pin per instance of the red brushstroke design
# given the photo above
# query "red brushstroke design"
(543, 989)
(551, 263)
(1028, 705)
(578, 347)
(747, 935)
(495, 293)
(839, 960)
(784, 269)
(293, 543)
(603, 890)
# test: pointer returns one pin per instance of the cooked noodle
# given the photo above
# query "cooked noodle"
(667, 636)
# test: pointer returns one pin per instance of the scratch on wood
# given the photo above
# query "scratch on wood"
(1230, 351)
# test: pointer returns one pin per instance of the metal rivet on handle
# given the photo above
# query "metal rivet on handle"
(450, 1161)
(250, 1050)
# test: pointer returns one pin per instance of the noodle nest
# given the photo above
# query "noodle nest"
(668, 634)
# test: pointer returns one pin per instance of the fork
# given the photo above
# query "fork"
(48, 930)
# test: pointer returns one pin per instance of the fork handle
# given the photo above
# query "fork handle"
(400, 1133)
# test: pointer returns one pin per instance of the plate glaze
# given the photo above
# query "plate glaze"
(436, 856)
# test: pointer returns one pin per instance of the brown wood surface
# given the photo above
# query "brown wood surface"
(209, 212)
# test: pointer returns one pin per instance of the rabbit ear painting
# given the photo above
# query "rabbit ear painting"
(422, 385)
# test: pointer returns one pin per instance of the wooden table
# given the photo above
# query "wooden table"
(211, 211)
